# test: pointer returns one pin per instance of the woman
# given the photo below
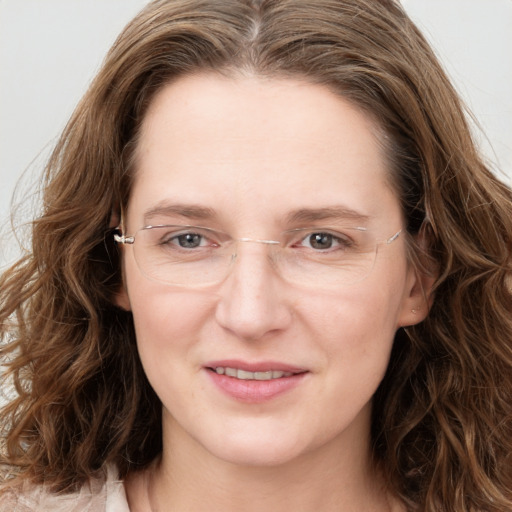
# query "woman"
(272, 271)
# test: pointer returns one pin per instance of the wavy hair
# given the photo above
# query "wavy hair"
(442, 418)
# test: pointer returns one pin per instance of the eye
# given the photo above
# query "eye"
(325, 241)
(188, 240)
(181, 240)
(320, 240)
(193, 238)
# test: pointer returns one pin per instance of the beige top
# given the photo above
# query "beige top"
(98, 496)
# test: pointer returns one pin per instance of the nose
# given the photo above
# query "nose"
(252, 301)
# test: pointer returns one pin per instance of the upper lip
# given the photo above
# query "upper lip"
(255, 366)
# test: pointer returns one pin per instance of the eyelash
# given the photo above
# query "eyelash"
(340, 240)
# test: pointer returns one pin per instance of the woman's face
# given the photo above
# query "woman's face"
(254, 157)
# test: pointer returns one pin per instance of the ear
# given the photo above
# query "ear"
(422, 274)
(121, 298)
(115, 218)
(418, 297)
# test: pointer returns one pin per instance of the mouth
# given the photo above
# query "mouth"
(255, 382)
(240, 374)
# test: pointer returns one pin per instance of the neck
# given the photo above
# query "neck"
(334, 477)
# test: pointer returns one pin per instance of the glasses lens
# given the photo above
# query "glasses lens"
(196, 256)
(182, 255)
(327, 259)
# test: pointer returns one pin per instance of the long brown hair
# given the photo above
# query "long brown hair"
(442, 418)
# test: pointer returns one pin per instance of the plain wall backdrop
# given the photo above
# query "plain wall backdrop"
(51, 49)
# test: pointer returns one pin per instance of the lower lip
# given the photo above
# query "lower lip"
(255, 391)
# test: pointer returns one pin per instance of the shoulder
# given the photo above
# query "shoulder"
(105, 495)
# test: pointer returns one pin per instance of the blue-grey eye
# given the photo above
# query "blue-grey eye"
(189, 240)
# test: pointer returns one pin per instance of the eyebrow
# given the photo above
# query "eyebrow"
(330, 213)
(188, 211)
(198, 212)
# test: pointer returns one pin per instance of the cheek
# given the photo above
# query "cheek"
(168, 325)
(354, 316)
(166, 319)
(355, 330)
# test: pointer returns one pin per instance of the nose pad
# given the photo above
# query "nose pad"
(252, 297)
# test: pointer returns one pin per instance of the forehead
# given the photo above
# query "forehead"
(250, 144)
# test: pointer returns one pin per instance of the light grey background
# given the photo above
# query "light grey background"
(50, 50)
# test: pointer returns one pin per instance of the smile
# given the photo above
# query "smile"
(246, 375)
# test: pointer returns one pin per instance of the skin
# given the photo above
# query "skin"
(252, 150)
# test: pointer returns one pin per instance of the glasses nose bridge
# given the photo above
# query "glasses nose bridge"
(245, 240)
(257, 241)
(272, 244)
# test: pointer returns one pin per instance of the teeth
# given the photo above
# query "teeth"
(263, 375)
(245, 375)
(230, 372)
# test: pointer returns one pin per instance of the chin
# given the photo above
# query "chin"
(254, 447)
(269, 455)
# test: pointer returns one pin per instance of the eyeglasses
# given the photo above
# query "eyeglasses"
(194, 256)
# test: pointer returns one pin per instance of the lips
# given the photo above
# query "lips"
(238, 373)
(254, 382)
(265, 370)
